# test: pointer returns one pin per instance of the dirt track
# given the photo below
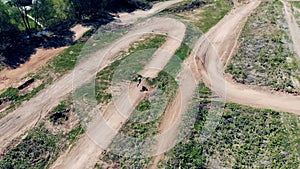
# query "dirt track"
(222, 38)
(212, 54)
(11, 77)
(29, 113)
(103, 130)
(226, 29)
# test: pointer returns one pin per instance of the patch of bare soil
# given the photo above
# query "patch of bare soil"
(224, 38)
(9, 77)
(173, 115)
(111, 115)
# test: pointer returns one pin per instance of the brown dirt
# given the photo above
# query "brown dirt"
(10, 77)
(206, 66)
(229, 27)
(79, 30)
(224, 38)
(101, 133)
(29, 113)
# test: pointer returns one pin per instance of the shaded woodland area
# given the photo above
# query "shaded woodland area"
(21, 23)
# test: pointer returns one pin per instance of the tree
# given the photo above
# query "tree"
(5, 23)
(88, 8)
(44, 12)
(21, 6)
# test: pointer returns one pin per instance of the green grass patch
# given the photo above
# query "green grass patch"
(13, 96)
(39, 148)
(33, 152)
(130, 62)
(209, 15)
(61, 64)
(145, 121)
(295, 4)
(10, 94)
(43, 144)
(296, 10)
(66, 61)
(264, 57)
(245, 137)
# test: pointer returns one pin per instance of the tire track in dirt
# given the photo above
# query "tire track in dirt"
(212, 54)
(211, 66)
(205, 48)
(208, 67)
(106, 125)
(24, 118)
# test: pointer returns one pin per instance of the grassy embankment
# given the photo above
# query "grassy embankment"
(42, 145)
(164, 82)
(58, 66)
(296, 10)
(47, 145)
(264, 57)
(203, 14)
(244, 138)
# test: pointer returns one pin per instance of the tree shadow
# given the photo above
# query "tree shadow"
(16, 49)
(127, 6)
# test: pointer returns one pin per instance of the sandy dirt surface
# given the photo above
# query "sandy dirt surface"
(212, 52)
(212, 59)
(103, 130)
(79, 30)
(161, 57)
(29, 113)
(219, 45)
(11, 77)
(203, 48)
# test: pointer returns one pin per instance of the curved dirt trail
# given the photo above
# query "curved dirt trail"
(219, 45)
(227, 29)
(212, 53)
(29, 113)
(105, 125)
(223, 37)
